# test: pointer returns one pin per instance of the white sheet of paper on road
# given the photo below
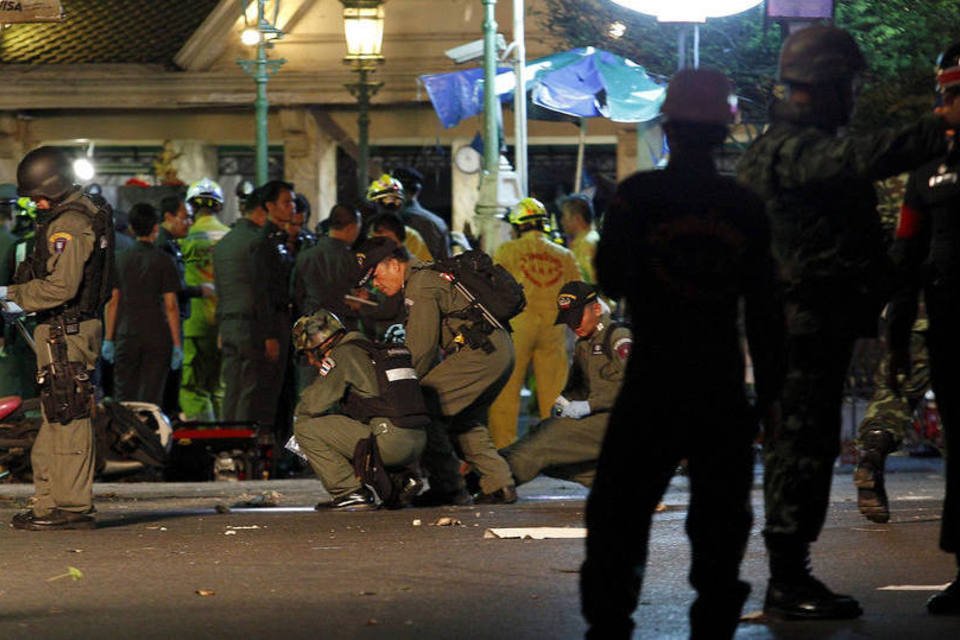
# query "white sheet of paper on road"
(914, 587)
(537, 533)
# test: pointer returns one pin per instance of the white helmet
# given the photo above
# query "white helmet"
(205, 193)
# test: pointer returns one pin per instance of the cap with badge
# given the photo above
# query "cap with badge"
(571, 300)
(371, 253)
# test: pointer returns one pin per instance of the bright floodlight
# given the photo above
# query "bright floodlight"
(688, 10)
(83, 169)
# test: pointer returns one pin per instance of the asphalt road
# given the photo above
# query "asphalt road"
(165, 564)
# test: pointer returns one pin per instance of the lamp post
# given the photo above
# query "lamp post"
(487, 208)
(363, 28)
(261, 34)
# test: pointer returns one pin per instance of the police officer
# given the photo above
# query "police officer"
(686, 247)
(476, 361)
(66, 281)
(363, 389)
(926, 250)
(542, 267)
(576, 219)
(245, 315)
(568, 445)
(19, 362)
(431, 227)
(200, 390)
(298, 237)
(819, 194)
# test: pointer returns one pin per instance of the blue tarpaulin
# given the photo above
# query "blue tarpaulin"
(585, 82)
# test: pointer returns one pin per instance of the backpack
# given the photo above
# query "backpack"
(491, 289)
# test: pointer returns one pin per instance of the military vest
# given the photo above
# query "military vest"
(400, 398)
(99, 273)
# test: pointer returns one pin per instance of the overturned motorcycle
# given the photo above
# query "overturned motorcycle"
(131, 438)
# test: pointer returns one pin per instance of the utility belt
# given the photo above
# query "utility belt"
(66, 391)
(71, 319)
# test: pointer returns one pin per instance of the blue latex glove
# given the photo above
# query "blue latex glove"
(10, 310)
(3, 293)
(108, 351)
(576, 409)
(176, 358)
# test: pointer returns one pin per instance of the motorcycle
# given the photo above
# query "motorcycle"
(130, 438)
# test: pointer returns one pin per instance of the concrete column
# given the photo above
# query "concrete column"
(309, 161)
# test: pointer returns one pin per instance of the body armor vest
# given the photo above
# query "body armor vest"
(99, 272)
(399, 398)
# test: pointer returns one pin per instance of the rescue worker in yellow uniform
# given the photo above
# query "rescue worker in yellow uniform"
(200, 389)
(386, 194)
(66, 281)
(542, 267)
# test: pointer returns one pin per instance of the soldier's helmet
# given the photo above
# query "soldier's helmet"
(385, 190)
(528, 211)
(45, 172)
(948, 68)
(701, 96)
(820, 55)
(205, 194)
(320, 330)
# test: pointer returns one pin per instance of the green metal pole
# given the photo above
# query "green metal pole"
(262, 107)
(487, 209)
(363, 131)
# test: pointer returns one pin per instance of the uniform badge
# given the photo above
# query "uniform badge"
(622, 347)
(449, 277)
(327, 365)
(598, 349)
(59, 241)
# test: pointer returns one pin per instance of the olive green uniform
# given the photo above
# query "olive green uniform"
(62, 456)
(569, 448)
(200, 389)
(245, 323)
(459, 389)
(329, 439)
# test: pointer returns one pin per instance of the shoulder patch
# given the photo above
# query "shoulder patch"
(327, 365)
(598, 349)
(59, 241)
(622, 347)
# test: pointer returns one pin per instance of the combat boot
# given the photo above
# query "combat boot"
(794, 594)
(875, 445)
(55, 520)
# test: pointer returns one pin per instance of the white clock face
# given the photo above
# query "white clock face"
(468, 160)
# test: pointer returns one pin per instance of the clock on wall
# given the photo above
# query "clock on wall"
(467, 159)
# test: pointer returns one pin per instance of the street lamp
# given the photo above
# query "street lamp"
(363, 28)
(261, 34)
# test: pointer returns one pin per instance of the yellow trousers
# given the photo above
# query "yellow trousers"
(535, 339)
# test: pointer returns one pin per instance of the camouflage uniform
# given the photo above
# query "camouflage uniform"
(821, 201)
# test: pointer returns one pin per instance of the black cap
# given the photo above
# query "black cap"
(372, 252)
(408, 176)
(571, 300)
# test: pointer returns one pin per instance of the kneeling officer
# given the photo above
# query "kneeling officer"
(363, 389)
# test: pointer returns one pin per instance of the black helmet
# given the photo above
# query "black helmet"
(820, 55)
(45, 172)
(948, 68)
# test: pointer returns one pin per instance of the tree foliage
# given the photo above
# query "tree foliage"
(900, 39)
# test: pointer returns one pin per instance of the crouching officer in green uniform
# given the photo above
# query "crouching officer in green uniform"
(477, 360)
(567, 446)
(66, 281)
(363, 389)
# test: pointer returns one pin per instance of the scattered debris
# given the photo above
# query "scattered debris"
(265, 499)
(661, 507)
(914, 587)
(156, 527)
(74, 550)
(537, 533)
(205, 592)
(239, 528)
(372, 622)
(230, 533)
(72, 572)
(417, 522)
(221, 508)
(367, 593)
(447, 521)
